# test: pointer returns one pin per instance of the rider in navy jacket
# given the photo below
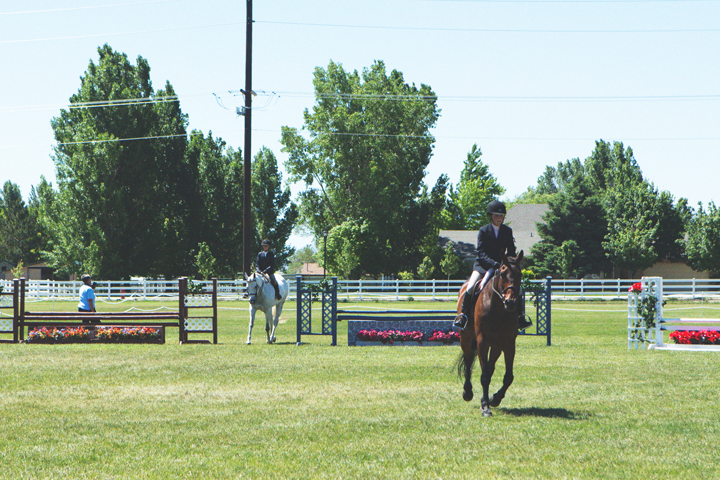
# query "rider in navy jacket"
(265, 263)
(495, 241)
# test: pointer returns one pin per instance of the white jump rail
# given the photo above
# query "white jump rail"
(653, 337)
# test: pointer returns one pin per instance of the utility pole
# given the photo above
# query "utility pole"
(247, 217)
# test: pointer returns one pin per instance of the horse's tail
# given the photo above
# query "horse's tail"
(460, 364)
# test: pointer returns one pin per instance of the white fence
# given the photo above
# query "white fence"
(359, 290)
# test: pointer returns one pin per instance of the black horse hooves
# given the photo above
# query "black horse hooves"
(487, 412)
(495, 401)
(467, 395)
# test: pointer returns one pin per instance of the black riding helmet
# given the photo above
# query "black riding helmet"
(496, 207)
(266, 242)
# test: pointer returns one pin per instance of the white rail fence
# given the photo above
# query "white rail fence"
(359, 290)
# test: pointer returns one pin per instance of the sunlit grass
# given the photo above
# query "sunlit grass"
(586, 407)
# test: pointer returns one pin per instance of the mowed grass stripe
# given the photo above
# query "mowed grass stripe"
(585, 407)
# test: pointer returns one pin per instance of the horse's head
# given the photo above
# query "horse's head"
(509, 282)
(254, 284)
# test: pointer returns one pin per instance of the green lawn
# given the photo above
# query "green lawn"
(586, 407)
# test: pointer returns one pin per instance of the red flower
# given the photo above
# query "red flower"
(636, 288)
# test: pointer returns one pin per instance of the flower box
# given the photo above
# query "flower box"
(408, 338)
(96, 334)
(696, 337)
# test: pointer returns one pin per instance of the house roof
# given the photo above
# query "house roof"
(311, 269)
(523, 220)
(465, 242)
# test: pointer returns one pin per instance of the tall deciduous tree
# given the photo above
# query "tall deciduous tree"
(363, 165)
(703, 239)
(116, 191)
(135, 195)
(632, 230)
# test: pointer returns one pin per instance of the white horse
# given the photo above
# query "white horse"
(262, 297)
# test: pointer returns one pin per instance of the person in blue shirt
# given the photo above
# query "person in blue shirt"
(495, 241)
(87, 297)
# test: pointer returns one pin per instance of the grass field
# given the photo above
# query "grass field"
(586, 407)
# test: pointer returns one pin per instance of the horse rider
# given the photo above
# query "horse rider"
(495, 241)
(266, 264)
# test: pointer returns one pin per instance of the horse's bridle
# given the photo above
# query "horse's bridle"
(502, 295)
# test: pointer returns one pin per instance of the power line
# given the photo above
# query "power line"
(504, 98)
(113, 140)
(90, 7)
(76, 37)
(491, 30)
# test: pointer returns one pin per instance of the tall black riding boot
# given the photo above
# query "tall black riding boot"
(273, 282)
(461, 320)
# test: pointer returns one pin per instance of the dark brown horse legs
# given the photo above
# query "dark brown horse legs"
(496, 398)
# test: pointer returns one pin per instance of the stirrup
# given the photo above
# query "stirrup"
(460, 322)
(524, 322)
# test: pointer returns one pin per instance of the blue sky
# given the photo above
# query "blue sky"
(533, 83)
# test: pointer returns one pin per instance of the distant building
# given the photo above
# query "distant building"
(5, 270)
(310, 271)
(523, 220)
(39, 271)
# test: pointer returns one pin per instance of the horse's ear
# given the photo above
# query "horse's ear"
(245, 276)
(519, 257)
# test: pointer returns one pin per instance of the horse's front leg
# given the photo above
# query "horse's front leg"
(469, 350)
(268, 322)
(252, 322)
(496, 398)
(276, 319)
(487, 366)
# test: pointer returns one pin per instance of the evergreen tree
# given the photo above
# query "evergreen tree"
(274, 214)
(466, 205)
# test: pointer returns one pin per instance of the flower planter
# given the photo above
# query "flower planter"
(96, 334)
(370, 343)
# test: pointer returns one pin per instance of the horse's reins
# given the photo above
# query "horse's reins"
(501, 295)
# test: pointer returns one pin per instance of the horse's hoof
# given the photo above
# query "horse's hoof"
(495, 402)
(487, 412)
(248, 342)
(467, 396)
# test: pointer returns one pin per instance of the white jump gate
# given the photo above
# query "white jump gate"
(642, 336)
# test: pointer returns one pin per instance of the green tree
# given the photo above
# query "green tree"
(364, 164)
(205, 261)
(703, 239)
(576, 214)
(426, 269)
(466, 206)
(450, 263)
(606, 196)
(211, 203)
(21, 235)
(118, 193)
(307, 254)
(346, 244)
(274, 214)
(632, 230)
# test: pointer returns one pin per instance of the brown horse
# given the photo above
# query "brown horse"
(492, 330)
